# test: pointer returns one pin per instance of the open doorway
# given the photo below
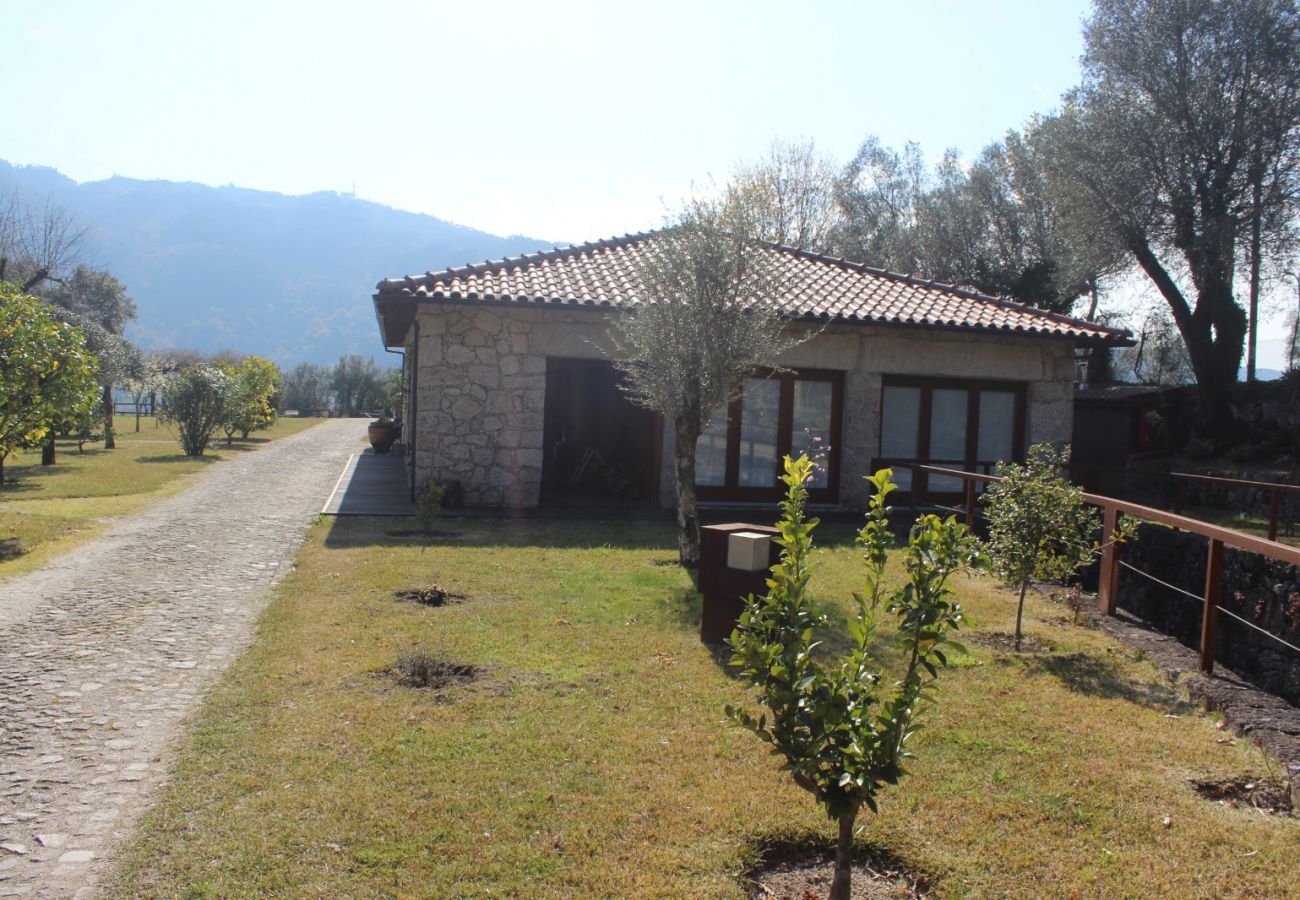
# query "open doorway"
(600, 448)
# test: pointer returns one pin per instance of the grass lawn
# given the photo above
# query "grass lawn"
(593, 759)
(46, 510)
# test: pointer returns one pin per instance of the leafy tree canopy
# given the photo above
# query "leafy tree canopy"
(46, 374)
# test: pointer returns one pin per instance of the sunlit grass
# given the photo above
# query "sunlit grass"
(47, 510)
(594, 759)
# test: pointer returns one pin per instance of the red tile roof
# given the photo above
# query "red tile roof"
(604, 274)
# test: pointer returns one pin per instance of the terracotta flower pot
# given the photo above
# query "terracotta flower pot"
(383, 436)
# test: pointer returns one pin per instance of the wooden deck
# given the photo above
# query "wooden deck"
(372, 484)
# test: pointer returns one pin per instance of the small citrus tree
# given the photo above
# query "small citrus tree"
(1040, 526)
(249, 407)
(47, 376)
(842, 735)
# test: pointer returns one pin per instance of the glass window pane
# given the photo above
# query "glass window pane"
(997, 425)
(711, 452)
(760, 408)
(900, 422)
(947, 436)
(947, 424)
(900, 428)
(811, 427)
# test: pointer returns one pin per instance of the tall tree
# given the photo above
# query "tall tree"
(95, 295)
(791, 191)
(879, 195)
(306, 388)
(357, 385)
(704, 321)
(1188, 119)
(37, 244)
(988, 225)
(117, 360)
(103, 308)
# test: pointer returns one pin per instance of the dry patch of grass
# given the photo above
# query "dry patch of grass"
(601, 764)
(47, 510)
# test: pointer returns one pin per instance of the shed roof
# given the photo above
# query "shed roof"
(813, 286)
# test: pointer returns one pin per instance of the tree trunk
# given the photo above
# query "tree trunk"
(47, 451)
(109, 443)
(3, 454)
(688, 520)
(1020, 612)
(842, 885)
(1213, 335)
(1252, 318)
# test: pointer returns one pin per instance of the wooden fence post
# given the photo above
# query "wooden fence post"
(1274, 510)
(1210, 616)
(1108, 579)
(970, 503)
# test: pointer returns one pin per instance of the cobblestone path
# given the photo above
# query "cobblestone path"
(105, 651)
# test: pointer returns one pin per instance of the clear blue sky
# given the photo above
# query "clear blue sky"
(561, 121)
(564, 122)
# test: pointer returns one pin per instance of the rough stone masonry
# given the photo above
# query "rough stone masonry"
(104, 652)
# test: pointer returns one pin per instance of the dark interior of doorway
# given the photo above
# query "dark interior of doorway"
(600, 448)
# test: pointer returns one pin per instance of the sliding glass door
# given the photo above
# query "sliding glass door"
(739, 456)
(956, 424)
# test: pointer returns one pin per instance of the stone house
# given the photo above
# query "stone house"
(510, 392)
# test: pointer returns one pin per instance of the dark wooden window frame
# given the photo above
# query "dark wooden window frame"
(731, 490)
(973, 388)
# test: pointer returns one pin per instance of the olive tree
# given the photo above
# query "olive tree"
(1183, 140)
(46, 374)
(705, 318)
(194, 399)
(843, 735)
(791, 190)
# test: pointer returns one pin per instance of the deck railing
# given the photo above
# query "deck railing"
(1111, 561)
(1275, 491)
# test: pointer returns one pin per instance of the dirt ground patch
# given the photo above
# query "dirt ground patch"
(1266, 795)
(1005, 642)
(803, 871)
(435, 595)
(420, 669)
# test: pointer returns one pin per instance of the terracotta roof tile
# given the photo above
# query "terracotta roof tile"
(604, 274)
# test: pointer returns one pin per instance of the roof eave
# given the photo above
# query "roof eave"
(407, 301)
(395, 313)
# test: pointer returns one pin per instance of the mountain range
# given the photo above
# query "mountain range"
(227, 268)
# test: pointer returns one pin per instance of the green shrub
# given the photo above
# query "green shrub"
(194, 400)
(428, 503)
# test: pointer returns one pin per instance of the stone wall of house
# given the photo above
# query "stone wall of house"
(480, 394)
(482, 386)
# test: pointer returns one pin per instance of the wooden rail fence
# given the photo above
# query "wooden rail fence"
(1111, 556)
(1274, 489)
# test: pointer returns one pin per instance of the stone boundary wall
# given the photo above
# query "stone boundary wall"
(1260, 590)
(482, 386)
